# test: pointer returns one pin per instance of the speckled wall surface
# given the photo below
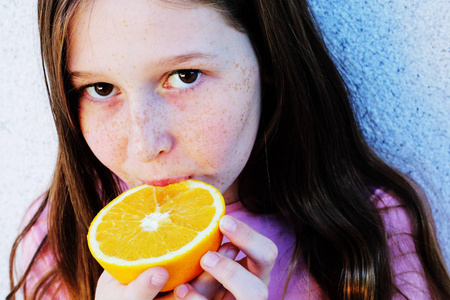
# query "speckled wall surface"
(397, 60)
(396, 56)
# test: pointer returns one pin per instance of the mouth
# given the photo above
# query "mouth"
(167, 181)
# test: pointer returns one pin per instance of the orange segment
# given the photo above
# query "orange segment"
(143, 200)
(146, 226)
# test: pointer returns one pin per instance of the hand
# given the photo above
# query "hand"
(146, 286)
(225, 278)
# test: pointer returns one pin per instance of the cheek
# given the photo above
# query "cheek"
(104, 134)
(225, 130)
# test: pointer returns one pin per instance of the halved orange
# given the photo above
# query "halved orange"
(171, 227)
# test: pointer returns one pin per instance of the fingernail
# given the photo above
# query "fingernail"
(158, 280)
(232, 252)
(181, 291)
(228, 224)
(210, 259)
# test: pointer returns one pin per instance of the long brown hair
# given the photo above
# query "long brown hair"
(74, 191)
(310, 162)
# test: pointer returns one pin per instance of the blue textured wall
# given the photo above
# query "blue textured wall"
(396, 56)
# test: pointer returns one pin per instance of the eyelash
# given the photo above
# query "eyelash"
(191, 86)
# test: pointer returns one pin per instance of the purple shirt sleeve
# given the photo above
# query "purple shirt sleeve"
(406, 267)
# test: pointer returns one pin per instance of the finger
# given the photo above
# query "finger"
(188, 292)
(107, 286)
(206, 284)
(261, 251)
(234, 277)
(146, 286)
(228, 296)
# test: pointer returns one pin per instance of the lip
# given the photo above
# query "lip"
(167, 181)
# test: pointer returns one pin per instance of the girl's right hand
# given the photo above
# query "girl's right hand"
(146, 286)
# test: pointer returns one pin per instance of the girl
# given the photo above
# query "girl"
(242, 95)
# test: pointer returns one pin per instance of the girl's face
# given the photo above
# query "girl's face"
(166, 93)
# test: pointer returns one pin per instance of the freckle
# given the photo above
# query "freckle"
(109, 69)
(134, 67)
(145, 39)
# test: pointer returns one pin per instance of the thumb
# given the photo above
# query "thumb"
(147, 285)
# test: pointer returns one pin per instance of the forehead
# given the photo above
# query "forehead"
(106, 28)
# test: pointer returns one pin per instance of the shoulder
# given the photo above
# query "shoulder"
(395, 215)
(33, 248)
(34, 237)
(406, 266)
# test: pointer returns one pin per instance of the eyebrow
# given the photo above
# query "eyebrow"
(163, 62)
(180, 59)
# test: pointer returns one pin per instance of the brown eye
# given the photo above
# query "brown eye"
(188, 76)
(182, 79)
(101, 90)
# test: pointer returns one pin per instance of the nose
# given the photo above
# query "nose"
(148, 130)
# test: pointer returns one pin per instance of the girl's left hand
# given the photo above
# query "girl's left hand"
(225, 278)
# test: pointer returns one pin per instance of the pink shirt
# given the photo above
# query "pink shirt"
(407, 270)
(46, 261)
